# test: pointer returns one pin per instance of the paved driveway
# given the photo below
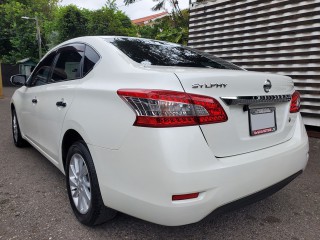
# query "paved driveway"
(34, 204)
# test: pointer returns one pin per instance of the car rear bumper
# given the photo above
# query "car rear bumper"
(253, 197)
(140, 178)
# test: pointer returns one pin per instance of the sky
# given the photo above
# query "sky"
(141, 8)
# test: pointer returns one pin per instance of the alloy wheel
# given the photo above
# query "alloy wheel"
(15, 128)
(80, 184)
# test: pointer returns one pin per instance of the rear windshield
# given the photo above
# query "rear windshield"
(151, 52)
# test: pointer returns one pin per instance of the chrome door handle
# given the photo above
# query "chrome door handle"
(34, 100)
(61, 104)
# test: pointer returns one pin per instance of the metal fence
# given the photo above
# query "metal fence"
(279, 36)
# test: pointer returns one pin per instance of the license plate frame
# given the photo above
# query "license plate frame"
(262, 120)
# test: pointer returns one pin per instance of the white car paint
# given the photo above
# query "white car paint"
(140, 168)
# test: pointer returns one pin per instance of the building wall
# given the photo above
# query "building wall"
(277, 36)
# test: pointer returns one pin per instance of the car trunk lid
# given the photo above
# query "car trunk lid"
(242, 93)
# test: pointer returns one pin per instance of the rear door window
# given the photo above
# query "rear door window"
(69, 63)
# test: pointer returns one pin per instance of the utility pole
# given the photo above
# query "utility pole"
(38, 34)
(38, 37)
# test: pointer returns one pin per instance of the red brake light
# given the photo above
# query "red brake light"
(295, 102)
(163, 108)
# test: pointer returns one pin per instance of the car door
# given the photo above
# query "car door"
(29, 107)
(58, 96)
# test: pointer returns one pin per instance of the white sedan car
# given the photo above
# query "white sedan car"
(156, 130)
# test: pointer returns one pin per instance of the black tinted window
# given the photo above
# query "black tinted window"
(152, 52)
(90, 59)
(68, 66)
(42, 72)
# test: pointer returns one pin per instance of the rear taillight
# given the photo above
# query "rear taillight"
(163, 108)
(295, 102)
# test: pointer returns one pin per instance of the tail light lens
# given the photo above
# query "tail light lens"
(295, 102)
(163, 108)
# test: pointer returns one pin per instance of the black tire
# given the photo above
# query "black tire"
(97, 213)
(17, 138)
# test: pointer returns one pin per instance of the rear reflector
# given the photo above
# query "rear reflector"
(163, 108)
(184, 196)
(295, 102)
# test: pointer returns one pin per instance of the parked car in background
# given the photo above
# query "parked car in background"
(156, 130)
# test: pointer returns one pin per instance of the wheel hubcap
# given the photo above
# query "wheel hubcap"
(80, 185)
(15, 128)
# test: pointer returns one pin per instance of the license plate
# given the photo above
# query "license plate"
(262, 120)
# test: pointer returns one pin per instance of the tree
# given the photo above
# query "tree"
(110, 21)
(71, 22)
(168, 28)
(18, 39)
(112, 5)
(45, 8)
(178, 17)
(176, 11)
(17, 35)
(159, 5)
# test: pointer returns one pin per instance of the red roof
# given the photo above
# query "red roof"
(149, 18)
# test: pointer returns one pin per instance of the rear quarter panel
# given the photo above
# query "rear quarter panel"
(97, 111)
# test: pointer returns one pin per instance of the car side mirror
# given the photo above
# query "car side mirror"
(18, 80)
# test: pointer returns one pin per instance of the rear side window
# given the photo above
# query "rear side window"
(151, 52)
(90, 60)
(68, 65)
